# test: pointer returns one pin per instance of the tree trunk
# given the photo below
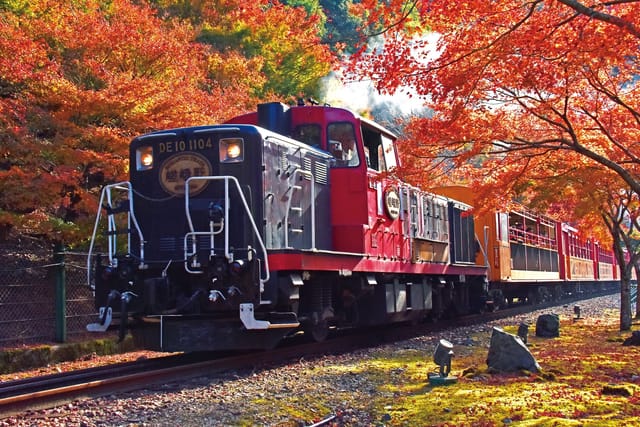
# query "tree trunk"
(625, 302)
(635, 299)
(625, 265)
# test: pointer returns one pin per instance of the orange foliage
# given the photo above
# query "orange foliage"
(79, 79)
(523, 92)
(283, 43)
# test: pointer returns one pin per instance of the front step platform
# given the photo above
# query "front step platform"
(247, 315)
(176, 333)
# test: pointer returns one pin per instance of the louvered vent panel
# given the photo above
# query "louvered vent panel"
(321, 172)
(306, 166)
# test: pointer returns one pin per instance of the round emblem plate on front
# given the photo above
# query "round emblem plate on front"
(178, 168)
(392, 202)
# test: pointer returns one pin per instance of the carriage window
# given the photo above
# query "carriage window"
(342, 144)
(309, 134)
(502, 226)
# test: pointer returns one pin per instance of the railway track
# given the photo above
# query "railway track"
(35, 393)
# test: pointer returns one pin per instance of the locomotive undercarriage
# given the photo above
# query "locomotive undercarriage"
(170, 308)
(326, 300)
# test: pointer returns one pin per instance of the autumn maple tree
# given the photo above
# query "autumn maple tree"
(281, 42)
(521, 90)
(80, 78)
(602, 207)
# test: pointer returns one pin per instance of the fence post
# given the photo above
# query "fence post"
(61, 299)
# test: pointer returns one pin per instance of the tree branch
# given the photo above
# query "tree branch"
(604, 17)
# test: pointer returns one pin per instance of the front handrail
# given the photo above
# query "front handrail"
(227, 253)
(111, 225)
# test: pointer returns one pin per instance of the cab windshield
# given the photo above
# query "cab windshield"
(342, 144)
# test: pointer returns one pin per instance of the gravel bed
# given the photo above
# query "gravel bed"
(249, 398)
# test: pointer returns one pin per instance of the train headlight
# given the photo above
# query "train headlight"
(144, 158)
(231, 150)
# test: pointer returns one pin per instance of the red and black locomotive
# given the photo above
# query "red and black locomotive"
(234, 236)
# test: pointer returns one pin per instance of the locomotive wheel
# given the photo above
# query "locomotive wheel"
(502, 303)
(318, 331)
(499, 300)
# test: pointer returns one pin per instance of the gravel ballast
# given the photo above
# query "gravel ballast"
(275, 396)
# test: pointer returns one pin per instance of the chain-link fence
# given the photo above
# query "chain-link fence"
(45, 301)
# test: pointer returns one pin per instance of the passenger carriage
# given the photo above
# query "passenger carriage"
(535, 258)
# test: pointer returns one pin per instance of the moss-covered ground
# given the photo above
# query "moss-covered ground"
(32, 357)
(588, 378)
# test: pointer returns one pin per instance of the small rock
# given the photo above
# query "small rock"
(634, 339)
(548, 326)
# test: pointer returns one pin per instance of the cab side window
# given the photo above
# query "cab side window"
(309, 134)
(373, 149)
(379, 150)
(342, 144)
